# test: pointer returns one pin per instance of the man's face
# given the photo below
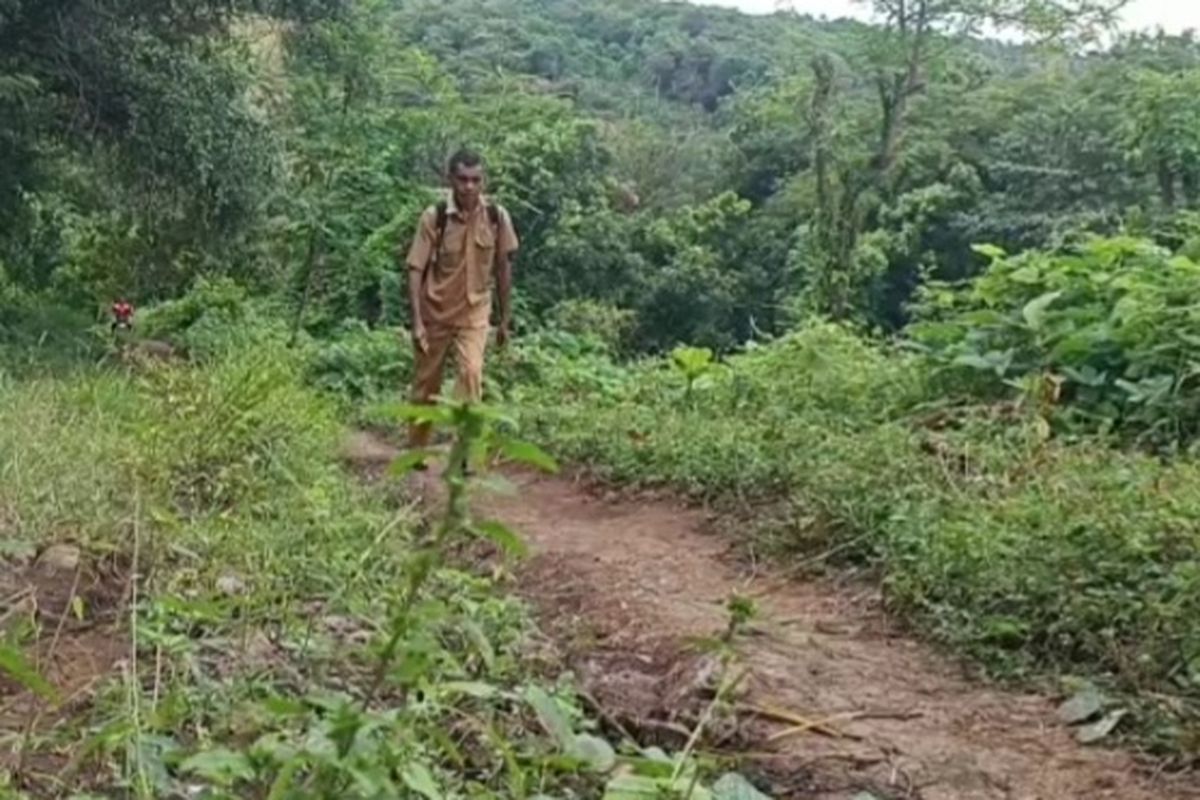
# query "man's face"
(467, 183)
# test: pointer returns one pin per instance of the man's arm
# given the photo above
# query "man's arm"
(504, 295)
(417, 261)
(419, 336)
(506, 249)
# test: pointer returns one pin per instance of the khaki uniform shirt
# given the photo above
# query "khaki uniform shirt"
(457, 280)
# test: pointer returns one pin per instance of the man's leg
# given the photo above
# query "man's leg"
(427, 380)
(469, 346)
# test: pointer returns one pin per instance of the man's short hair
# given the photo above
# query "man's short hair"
(464, 158)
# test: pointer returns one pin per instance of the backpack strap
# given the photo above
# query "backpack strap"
(440, 227)
(441, 210)
(493, 212)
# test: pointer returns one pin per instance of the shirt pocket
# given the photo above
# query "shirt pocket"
(484, 240)
(453, 246)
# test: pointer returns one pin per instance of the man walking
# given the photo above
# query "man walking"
(461, 244)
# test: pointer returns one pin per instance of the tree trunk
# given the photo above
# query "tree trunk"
(1166, 184)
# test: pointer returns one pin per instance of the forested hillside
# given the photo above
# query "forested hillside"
(711, 173)
(913, 311)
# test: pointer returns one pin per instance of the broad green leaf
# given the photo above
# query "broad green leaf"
(639, 787)
(633, 787)
(990, 251)
(221, 766)
(974, 361)
(1028, 275)
(503, 536)
(407, 462)
(1034, 311)
(553, 720)
(282, 782)
(1085, 704)
(1086, 376)
(478, 689)
(279, 706)
(418, 778)
(653, 763)
(732, 786)
(278, 747)
(692, 361)
(420, 413)
(482, 645)
(372, 782)
(598, 753)
(14, 664)
(1004, 631)
(993, 361)
(1090, 734)
(657, 754)
(528, 453)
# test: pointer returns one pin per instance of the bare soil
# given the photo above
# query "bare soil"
(70, 606)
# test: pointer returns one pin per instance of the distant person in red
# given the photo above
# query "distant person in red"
(122, 313)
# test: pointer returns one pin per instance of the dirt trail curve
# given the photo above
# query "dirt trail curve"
(621, 585)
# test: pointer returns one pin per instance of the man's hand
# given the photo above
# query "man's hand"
(503, 333)
(420, 337)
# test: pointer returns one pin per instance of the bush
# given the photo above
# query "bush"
(40, 336)
(1108, 328)
(1032, 555)
(608, 324)
(360, 363)
(217, 316)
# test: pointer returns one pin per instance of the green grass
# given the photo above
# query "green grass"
(275, 626)
(269, 579)
(1036, 558)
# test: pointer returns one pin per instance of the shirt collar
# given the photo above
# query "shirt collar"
(452, 207)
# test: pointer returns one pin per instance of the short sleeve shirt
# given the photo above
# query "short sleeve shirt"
(457, 279)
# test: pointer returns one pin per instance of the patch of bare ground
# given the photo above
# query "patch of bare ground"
(68, 608)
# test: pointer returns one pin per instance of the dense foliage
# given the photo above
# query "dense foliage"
(712, 175)
(1109, 328)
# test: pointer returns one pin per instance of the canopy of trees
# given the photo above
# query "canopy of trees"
(711, 176)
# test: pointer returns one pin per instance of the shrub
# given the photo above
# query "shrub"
(1110, 326)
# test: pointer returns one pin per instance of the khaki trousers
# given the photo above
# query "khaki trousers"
(468, 345)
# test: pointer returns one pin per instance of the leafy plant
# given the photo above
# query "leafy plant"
(693, 363)
(1109, 321)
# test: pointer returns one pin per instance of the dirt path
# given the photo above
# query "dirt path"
(622, 585)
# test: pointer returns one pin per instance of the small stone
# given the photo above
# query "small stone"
(60, 558)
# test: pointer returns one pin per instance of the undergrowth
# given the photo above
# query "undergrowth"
(275, 626)
(1036, 557)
